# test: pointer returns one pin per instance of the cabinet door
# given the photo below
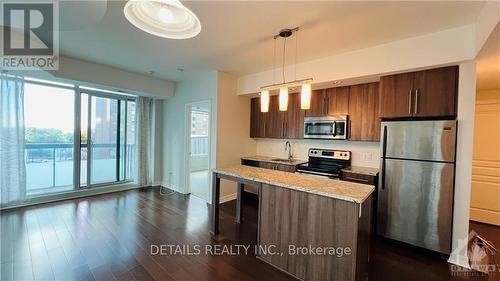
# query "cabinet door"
(396, 95)
(337, 101)
(436, 92)
(275, 125)
(317, 104)
(363, 112)
(257, 119)
(294, 123)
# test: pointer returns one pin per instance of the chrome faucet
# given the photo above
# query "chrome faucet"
(288, 147)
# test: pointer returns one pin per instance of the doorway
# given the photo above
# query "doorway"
(198, 150)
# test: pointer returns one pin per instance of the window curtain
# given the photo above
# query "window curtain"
(143, 140)
(12, 164)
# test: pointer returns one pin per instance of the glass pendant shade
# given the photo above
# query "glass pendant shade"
(283, 98)
(264, 101)
(305, 96)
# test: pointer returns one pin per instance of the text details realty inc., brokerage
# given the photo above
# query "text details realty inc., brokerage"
(232, 250)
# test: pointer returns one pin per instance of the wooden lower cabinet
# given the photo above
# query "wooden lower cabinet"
(289, 219)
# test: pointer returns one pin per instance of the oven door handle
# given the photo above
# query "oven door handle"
(315, 173)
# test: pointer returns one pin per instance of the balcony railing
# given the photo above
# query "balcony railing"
(50, 165)
(199, 145)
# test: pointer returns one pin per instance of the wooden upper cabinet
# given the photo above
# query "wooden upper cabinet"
(428, 93)
(435, 92)
(318, 100)
(275, 125)
(337, 101)
(363, 112)
(396, 95)
(294, 120)
(257, 120)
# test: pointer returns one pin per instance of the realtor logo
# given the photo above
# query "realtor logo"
(30, 35)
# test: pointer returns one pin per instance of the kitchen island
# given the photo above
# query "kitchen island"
(309, 227)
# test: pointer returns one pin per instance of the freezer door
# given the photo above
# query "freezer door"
(424, 140)
(415, 202)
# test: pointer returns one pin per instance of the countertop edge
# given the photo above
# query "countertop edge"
(298, 188)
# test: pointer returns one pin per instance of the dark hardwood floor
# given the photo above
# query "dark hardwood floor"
(109, 237)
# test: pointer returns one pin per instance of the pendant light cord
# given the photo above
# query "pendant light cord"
(296, 51)
(274, 62)
(284, 52)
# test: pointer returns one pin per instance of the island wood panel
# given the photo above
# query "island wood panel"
(436, 92)
(289, 217)
(317, 104)
(294, 123)
(396, 95)
(337, 101)
(363, 112)
(275, 122)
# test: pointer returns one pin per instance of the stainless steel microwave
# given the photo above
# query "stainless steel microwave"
(326, 127)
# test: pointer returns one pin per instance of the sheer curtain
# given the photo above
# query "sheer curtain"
(12, 165)
(143, 140)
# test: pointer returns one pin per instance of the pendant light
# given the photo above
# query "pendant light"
(264, 101)
(305, 96)
(283, 98)
(305, 93)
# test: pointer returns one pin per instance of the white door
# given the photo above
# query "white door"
(485, 193)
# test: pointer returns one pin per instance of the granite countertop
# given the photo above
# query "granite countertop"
(268, 159)
(343, 190)
(361, 170)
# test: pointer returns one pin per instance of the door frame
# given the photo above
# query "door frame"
(187, 147)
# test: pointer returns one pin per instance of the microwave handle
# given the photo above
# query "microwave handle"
(334, 128)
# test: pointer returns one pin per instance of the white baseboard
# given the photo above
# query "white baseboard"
(460, 260)
(228, 198)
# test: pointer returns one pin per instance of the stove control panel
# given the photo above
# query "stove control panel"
(330, 154)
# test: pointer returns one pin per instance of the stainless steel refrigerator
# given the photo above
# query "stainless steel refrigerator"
(416, 182)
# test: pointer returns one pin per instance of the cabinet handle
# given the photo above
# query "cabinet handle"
(416, 101)
(409, 102)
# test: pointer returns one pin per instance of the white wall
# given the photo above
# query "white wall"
(233, 129)
(364, 154)
(463, 168)
(116, 79)
(439, 48)
(201, 87)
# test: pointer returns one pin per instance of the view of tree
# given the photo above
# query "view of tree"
(42, 135)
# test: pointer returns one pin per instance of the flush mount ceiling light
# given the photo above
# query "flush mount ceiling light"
(305, 84)
(164, 18)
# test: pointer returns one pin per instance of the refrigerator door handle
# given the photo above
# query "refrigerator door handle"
(384, 149)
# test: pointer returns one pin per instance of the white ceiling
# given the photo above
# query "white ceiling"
(236, 36)
(488, 63)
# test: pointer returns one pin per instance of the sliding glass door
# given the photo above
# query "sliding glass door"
(106, 142)
(49, 125)
(76, 137)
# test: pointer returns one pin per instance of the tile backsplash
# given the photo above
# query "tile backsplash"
(364, 154)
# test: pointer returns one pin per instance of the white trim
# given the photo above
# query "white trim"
(187, 147)
(227, 198)
(459, 260)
